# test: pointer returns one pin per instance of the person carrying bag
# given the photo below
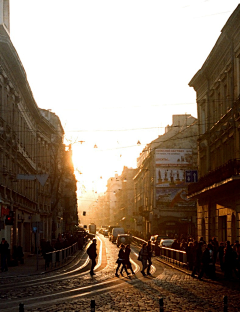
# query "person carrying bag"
(121, 261)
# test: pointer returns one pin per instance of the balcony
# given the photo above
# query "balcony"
(227, 173)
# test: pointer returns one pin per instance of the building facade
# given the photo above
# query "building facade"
(27, 145)
(125, 200)
(217, 85)
(160, 183)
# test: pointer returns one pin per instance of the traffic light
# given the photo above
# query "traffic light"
(9, 219)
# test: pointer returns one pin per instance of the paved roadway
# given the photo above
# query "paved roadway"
(180, 292)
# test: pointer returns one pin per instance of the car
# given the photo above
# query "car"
(110, 230)
(123, 239)
(102, 229)
(166, 242)
(115, 232)
(105, 232)
(157, 238)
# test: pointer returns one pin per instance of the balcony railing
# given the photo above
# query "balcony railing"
(226, 171)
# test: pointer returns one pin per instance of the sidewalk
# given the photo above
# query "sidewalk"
(32, 265)
(35, 265)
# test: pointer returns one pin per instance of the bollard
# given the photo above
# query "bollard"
(21, 307)
(161, 304)
(225, 303)
(92, 305)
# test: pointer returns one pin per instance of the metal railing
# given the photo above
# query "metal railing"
(58, 257)
(174, 256)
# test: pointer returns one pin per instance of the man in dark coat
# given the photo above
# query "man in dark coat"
(4, 253)
(197, 257)
(205, 262)
(92, 252)
(149, 250)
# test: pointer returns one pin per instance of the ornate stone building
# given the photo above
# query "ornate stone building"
(217, 85)
(30, 142)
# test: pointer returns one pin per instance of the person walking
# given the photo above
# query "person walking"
(190, 249)
(92, 252)
(127, 260)
(197, 256)
(4, 254)
(149, 258)
(221, 255)
(228, 261)
(205, 262)
(121, 261)
(143, 254)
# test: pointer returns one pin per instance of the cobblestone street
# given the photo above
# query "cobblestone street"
(180, 292)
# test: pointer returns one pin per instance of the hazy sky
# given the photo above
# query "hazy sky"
(114, 71)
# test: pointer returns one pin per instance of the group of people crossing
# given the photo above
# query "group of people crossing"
(145, 256)
(123, 261)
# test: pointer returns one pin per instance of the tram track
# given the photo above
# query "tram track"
(73, 271)
(65, 284)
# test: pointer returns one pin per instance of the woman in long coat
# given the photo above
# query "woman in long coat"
(121, 261)
(144, 257)
(127, 259)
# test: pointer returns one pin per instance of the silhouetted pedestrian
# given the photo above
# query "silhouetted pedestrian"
(204, 262)
(197, 256)
(4, 254)
(190, 255)
(92, 252)
(221, 255)
(144, 256)
(121, 261)
(211, 266)
(127, 261)
(228, 261)
(149, 257)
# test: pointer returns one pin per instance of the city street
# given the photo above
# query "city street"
(73, 289)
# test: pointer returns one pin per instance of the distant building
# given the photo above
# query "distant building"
(114, 184)
(160, 183)
(125, 209)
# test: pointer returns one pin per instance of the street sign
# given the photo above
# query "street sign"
(191, 176)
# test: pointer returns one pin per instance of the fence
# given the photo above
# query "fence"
(174, 256)
(59, 256)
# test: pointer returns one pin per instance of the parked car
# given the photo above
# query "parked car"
(166, 242)
(123, 239)
(105, 232)
(157, 238)
(115, 232)
(102, 229)
(110, 228)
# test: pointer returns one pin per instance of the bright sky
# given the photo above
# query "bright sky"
(114, 71)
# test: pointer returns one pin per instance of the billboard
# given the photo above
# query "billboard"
(173, 197)
(173, 157)
(169, 176)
